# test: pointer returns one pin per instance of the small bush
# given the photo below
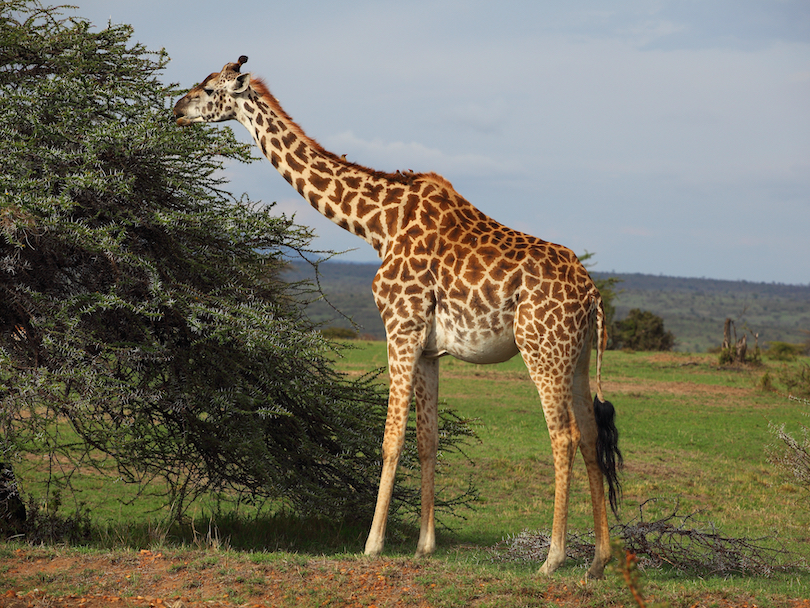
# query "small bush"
(339, 333)
(795, 379)
(783, 351)
(642, 330)
(48, 524)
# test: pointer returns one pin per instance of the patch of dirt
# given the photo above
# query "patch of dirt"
(687, 389)
(676, 357)
(152, 579)
(45, 578)
(652, 470)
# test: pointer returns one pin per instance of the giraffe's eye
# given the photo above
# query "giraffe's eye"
(208, 91)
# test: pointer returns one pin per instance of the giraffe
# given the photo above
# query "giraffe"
(452, 281)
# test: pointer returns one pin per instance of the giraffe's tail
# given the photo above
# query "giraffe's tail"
(607, 439)
(601, 344)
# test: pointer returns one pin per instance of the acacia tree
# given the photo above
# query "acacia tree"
(141, 312)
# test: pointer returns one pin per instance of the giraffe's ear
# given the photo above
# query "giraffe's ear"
(241, 83)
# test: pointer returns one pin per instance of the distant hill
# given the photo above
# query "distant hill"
(347, 287)
(693, 309)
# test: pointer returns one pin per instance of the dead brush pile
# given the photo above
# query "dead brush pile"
(677, 541)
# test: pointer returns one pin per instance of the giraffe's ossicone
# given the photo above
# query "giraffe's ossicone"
(452, 282)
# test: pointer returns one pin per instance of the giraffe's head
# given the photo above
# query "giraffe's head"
(214, 100)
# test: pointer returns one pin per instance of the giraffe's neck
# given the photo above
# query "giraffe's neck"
(358, 199)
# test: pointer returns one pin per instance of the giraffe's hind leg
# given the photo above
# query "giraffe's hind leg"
(583, 410)
(557, 398)
(564, 436)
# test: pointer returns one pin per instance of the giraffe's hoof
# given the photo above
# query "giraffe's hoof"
(550, 566)
(373, 549)
(426, 546)
(596, 574)
(546, 570)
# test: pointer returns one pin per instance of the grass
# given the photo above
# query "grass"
(694, 436)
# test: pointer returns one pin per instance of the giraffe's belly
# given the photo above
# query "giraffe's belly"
(474, 345)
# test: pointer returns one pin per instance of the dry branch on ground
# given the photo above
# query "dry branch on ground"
(678, 541)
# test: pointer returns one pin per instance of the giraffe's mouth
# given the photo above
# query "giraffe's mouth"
(182, 121)
(180, 114)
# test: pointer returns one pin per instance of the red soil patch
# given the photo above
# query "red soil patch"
(150, 579)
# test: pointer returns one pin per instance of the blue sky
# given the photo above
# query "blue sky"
(667, 137)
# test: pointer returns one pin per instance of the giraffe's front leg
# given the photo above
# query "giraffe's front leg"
(426, 393)
(401, 363)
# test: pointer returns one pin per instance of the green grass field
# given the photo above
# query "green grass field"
(694, 437)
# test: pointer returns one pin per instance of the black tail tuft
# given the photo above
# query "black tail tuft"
(607, 449)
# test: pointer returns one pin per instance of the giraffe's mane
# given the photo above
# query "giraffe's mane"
(400, 177)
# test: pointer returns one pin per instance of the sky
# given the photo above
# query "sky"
(666, 137)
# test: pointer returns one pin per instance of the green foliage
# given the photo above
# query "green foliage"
(47, 525)
(784, 351)
(641, 330)
(142, 317)
(791, 376)
(795, 379)
(339, 333)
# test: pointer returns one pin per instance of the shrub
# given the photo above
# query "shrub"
(339, 333)
(783, 351)
(641, 330)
